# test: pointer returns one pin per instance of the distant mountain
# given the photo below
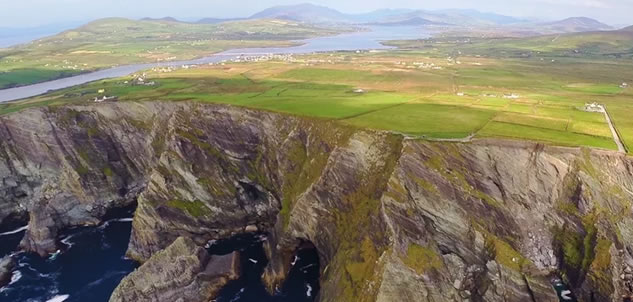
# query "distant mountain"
(438, 18)
(380, 14)
(303, 12)
(577, 24)
(415, 21)
(627, 29)
(490, 17)
(217, 20)
(164, 19)
(311, 13)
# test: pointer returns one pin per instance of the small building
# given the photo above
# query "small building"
(105, 99)
(101, 91)
(460, 94)
(511, 96)
(594, 107)
(624, 85)
(359, 90)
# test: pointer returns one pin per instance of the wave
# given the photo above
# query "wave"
(58, 298)
(309, 290)
(54, 255)
(107, 222)
(66, 241)
(24, 228)
(15, 277)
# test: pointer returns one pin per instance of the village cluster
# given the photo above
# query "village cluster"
(512, 96)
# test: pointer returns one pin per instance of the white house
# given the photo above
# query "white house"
(594, 107)
(511, 96)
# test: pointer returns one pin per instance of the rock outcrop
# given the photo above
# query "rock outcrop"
(393, 219)
(7, 264)
(183, 272)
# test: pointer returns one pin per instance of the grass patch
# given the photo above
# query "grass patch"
(422, 259)
(194, 208)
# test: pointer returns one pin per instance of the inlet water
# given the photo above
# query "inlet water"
(89, 269)
(302, 284)
(94, 263)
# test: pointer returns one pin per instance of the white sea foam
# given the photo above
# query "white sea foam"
(107, 223)
(238, 296)
(54, 255)
(15, 277)
(24, 228)
(210, 244)
(309, 290)
(67, 242)
(58, 298)
(295, 261)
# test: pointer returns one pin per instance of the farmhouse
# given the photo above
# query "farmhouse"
(105, 99)
(594, 107)
(511, 96)
(624, 85)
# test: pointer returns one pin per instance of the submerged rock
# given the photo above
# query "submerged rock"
(7, 264)
(183, 272)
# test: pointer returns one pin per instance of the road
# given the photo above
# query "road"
(616, 137)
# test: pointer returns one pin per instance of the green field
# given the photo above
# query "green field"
(429, 120)
(453, 100)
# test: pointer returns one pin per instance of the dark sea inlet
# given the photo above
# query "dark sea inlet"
(89, 269)
(94, 263)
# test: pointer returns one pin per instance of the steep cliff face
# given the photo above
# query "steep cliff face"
(392, 219)
(65, 167)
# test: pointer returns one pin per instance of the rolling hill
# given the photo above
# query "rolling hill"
(303, 12)
(311, 13)
(576, 24)
(596, 44)
(413, 21)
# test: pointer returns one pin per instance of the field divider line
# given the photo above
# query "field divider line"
(376, 110)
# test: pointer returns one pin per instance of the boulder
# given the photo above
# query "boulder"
(7, 264)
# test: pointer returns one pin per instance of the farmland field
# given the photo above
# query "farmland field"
(411, 91)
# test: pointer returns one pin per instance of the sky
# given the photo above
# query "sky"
(30, 13)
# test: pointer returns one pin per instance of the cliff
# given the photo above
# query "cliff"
(392, 219)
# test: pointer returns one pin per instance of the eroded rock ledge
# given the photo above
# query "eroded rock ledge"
(392, 219)
(183, 272)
